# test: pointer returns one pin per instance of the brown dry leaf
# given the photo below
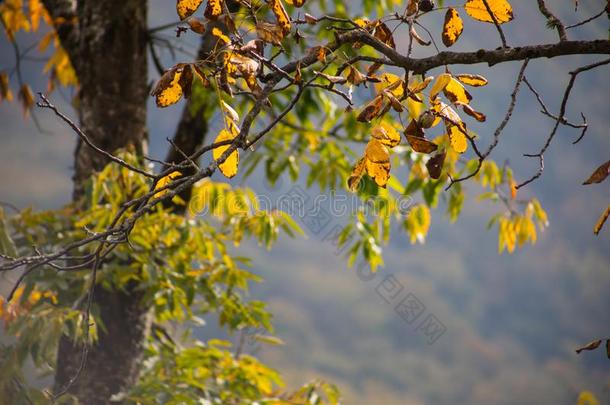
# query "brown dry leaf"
(197, 25)
(600, 174)
(420, 144)
(608, 341)
(269, 32)
(414, 129)
(310, 19)
(377, 162)
(435, 165)
(501, 9)
(453, 27)
(479, 116)
(213, 10)
(590, 346)
(280, 15)
(412, 7)
(601, 221)
(187, 7)
(371, 110)
(383, 33)
(356, 175)
(455, 92)
(354, 76)
(471, 80)
(418, 37)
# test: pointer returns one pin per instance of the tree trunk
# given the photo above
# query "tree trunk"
(109, 55)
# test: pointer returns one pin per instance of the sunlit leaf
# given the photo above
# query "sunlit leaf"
(164, 181)
(229, 166)
(356, 175)
(386, 134)
(187, 7)
(439, 85)
(601, 221)
(5, 91)
(501, 10)
(391, 82)
(471, 80)
(377, 162)
(587, 398)
(371, 110)
(457, 139)
(453, 27)
(213, 9)
(280, 15)
(455, 92)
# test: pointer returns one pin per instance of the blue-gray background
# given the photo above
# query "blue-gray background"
(512, 321)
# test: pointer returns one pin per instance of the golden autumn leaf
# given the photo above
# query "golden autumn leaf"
(501, 10)
(471, 80)
(356, 175)
(455, 92)
(164, 181)
(296, 3)
(377, 162)
(37, 11)
(457, 139)
(229, 166)
(175, 83)
(386, 134)
(187, 7)
(435, 165)
(217, 32)
(420, 144)
(439, 85)
(601, 221)
(280, 15)
(5, 91)
(600, 174)
(453, 27)
(213, 9)
(390, 82)
(270, 33)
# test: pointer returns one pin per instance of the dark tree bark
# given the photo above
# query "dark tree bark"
(107, 46)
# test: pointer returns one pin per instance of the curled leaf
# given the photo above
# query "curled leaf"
(601, 221)
(417, 37)
(421, 144)
(590, 346)
(197, 25)
(439, 85)
(435, 165)
(356, 175)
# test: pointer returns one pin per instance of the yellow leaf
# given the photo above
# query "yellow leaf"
(601, 221)
(386, 134)
(168, 90)
(418, 223)
(36, 11)
(417, 86)
(356, 175)
(439, 85)
(229, 166)
(453, 27)
(472, 80)
(458, 140)
(280, 15)
(415, 108)
(587, 398)
(377, 162)
(213, 9)
(454, 91)
(391, 82)
(217, 32)
(187, 7)
(164, 181)
(296, 3)
(501, 10)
